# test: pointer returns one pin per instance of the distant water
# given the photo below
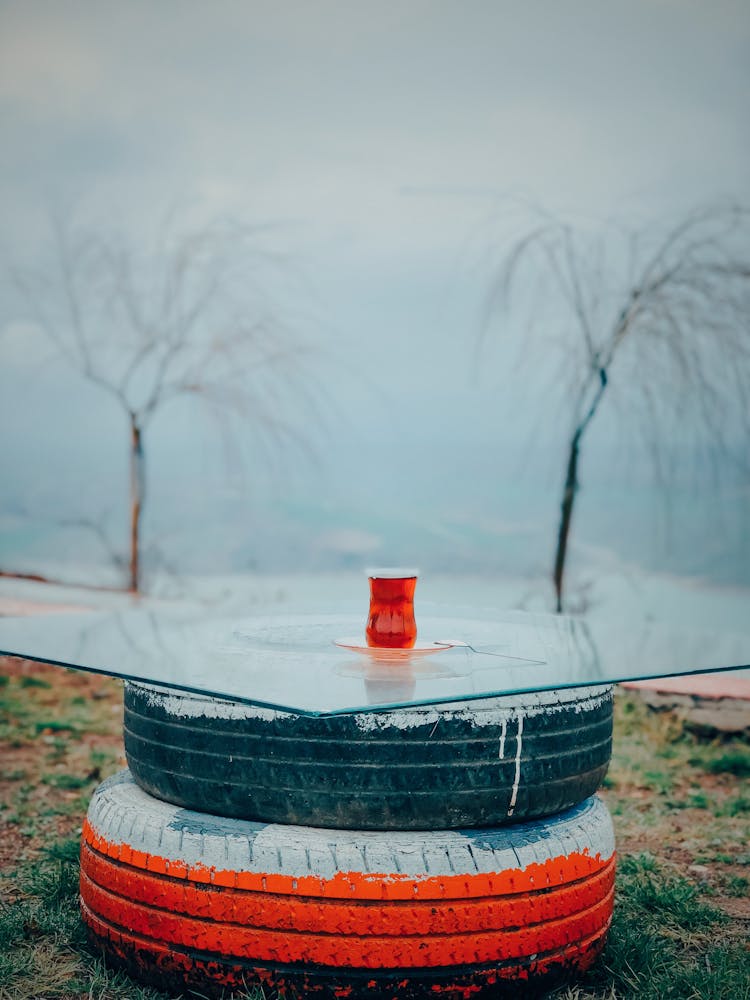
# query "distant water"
(705, 537)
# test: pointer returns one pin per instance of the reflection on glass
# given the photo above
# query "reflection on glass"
(298, 662)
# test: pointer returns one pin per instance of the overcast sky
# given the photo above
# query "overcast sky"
(385, 142)
(339, 116)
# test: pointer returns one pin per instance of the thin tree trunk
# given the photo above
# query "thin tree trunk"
(571, 486)
(136, 501)
(566, 514)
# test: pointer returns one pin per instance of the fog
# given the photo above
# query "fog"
(388, 152)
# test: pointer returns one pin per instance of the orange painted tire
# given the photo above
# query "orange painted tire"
(189, 900)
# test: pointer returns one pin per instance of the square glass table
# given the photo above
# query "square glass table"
(317, 662)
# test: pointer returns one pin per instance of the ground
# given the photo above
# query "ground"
(680, 803)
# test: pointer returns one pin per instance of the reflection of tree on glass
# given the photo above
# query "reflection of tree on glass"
(656, 319)
(189, 319)
(584, 651)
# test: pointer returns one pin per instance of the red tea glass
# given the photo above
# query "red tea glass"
(391, 623)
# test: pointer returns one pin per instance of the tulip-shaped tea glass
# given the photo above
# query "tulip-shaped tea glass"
(391, 623)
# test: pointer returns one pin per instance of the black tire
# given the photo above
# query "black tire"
(192, 901)
(469, 764)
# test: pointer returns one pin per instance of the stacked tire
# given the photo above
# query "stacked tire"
(455, 849)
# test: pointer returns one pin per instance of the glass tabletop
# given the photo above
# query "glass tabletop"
(318, 662)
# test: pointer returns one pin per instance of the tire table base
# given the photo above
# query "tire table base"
(188, 900)
(464, 764)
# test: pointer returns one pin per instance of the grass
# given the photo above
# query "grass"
(71, 782)
(736, 762)
(43, 951)
(665, 943)
(679, 930)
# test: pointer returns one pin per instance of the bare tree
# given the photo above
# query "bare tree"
(659, 318)
(189, 319)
